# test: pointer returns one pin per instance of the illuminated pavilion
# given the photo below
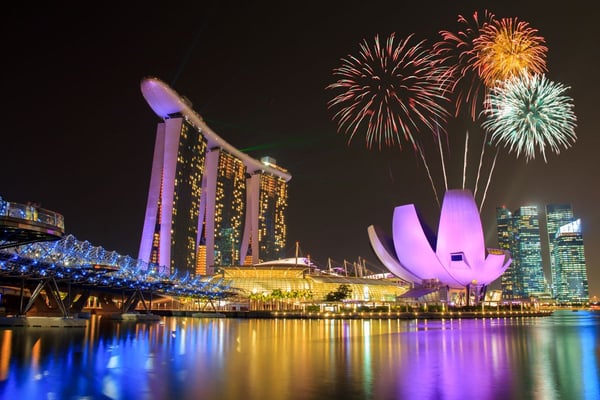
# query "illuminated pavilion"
(299, 281)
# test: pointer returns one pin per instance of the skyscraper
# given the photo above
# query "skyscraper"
(519, 232)
(171, 223)
(571, 283)
(208, 204)
(511, 280)
(267, 198)
(530, 249)
(226, 195)
(557, 215)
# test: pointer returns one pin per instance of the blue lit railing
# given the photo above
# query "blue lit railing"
(82, 263)
(32, 213)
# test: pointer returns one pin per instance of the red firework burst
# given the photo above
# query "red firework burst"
(390, 91)
(456, 50)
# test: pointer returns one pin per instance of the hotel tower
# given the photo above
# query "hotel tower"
(209, 204)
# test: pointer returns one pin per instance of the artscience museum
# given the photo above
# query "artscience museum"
(454, 264)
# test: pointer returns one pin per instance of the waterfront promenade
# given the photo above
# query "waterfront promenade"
(419, 315)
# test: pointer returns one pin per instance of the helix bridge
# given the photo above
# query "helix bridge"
(34, 251)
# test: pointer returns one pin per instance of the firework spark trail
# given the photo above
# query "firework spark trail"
(530, 112)
(443, 163)
(465, 159)
(480, 163)
(437, 200)
(506, 48)
(489, 179)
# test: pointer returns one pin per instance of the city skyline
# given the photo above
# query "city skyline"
(80, 134)
(531, 235)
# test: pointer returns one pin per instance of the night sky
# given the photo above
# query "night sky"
(78, 136)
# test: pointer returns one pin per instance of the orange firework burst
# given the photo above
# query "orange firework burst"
(508, 48)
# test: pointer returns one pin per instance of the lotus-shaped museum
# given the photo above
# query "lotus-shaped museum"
(456, 257)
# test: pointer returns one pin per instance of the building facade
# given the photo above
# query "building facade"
(511, 280)
(519, 232)
(228, 183)
(557, 215)
(208, 204)
(571, 284)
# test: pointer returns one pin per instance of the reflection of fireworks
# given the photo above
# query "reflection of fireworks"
(456, 50)
(528, 112)
(509, 47)
(390, 91)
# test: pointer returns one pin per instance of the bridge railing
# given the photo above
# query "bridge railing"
(31, 212)
(80, 260)
(70, 252)
(74, 259)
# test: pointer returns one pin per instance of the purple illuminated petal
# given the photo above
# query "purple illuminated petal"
(383, 248)
(412, 247)
(495, 264)
(460, 229)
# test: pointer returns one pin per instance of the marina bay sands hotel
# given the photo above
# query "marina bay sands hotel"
(209, 204)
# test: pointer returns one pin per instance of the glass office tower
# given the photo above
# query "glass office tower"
(528, 242)
(569, 262)
(557, 215)
(511, 280)
(519, 232)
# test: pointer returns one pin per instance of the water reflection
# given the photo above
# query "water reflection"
(185, 358)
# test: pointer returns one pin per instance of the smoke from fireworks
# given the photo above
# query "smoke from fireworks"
(529, 112)
(391, 92)
(506, 48)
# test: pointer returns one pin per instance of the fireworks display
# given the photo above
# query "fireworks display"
(391, 91)
(508, 47)
(491, 68)
(456, 50)
(529, 112)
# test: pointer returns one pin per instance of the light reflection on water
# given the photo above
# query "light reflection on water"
(555, 357)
